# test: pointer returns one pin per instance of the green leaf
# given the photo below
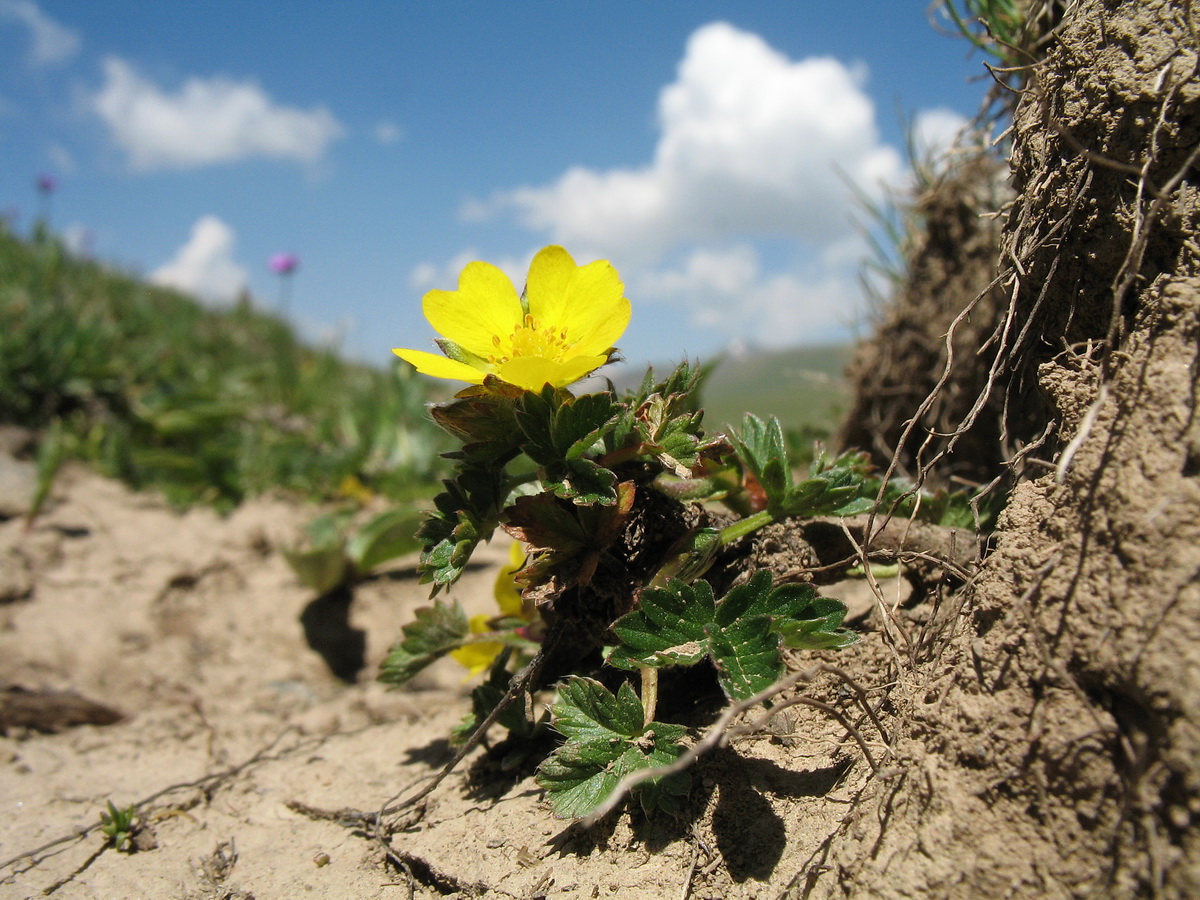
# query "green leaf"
(583, 482)
(606, 740)
(387, 536)
(319, 561)
(837, 488)
(763, 450)
(436, 631)
(818, 627)
(667, 628)
(587, 712)
(746, 655)
(840, 488)
(320, 568)
(757, 597)
(742, 634)
(466, 513)
(558, 433)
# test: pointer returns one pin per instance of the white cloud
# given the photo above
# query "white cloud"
(204, 266)
(751, 144)
(740, 228)
(727, 290)
(388, 132)
(206, 121)
(52, 42)
(934, 132)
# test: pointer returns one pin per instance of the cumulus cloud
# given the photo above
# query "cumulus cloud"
(205, 266)
(728, 289)
(751, 143)
(741, 223)
(934, 132)
(52, 42)
(206, 121)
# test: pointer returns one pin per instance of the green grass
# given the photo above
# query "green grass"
(207, 405)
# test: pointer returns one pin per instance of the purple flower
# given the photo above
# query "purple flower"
(46, 184)
(284, 263)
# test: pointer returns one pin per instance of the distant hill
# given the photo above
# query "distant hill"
(804, 386)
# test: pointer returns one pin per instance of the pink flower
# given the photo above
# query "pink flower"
(284, 263)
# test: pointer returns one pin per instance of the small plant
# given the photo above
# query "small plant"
(330, 556)
(609, 496)
(120, 826)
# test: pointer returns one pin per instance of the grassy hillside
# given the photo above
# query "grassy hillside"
(208, 405)
(803, 386)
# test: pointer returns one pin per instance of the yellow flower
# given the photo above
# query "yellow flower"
(561, 330)
(506, 589)
(478, 657)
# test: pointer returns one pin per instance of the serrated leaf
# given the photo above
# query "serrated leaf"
(579, 425)
(435, 632)
(573, 536)
(577, 779)
(763, 450)
(818, 627)
(586, 711)
(583, 482)
(742, 634)
(558, 428)
(746, 655)
(466, 512)
(758, 597)
(483, 420)
(804, 620)
(545, 523)
(667, 628)
(606, 740)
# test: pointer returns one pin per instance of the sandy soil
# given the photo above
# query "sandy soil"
(194, 628)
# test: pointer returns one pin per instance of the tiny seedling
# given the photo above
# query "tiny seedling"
(120, 826)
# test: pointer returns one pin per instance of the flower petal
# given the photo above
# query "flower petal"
(440, 367)
(506, 590)
(588, 301)
(549, 280)
(606, 326)
(485, 306)
(532, 372)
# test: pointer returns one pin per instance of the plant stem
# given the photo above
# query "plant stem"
(743, 527)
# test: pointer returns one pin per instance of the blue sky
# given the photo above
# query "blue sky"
(702, 147)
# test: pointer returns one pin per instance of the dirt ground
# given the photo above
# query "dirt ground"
(194, 628)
